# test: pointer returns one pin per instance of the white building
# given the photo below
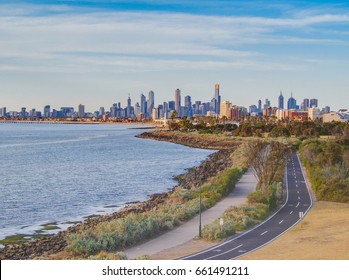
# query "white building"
(314, 113)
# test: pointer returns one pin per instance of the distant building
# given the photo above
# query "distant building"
(81, 111)
(266, 104)
(225, 110)
(2, 112)
(217, 99)
(340, 116)
(150, 101)
(314, 113)
(47, 111)
(154, 114)
(67, 112)
(281, 101)
(259, 106)
(178, 101)
(292, 103)
(143, 105)
(188, 106)
(101, 111)
(305, 104)
(313, 102)
(23, 112)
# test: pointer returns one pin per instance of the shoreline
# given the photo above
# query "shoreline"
(55, 243)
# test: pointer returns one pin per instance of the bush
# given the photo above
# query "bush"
(215, 231)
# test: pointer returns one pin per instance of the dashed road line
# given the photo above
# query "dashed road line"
(264, 232)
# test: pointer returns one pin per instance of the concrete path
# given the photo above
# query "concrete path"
(190, 229)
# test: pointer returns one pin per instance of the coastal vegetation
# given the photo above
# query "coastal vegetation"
(327, 164)
(181, 205)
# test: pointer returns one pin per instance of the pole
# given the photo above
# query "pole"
(200, 212)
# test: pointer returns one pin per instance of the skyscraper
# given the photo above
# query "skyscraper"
(3, 112)
(178, 101)
(225, 110)
(187, 104)
(218, 99)
(291, 103)
(281, 101)
(313, 102)
(150, 101)
(259, 106)
(47, 111)
(143, 105)
(305, 104)
(128, 108)
(81, 111)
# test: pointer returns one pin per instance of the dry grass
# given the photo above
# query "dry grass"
(323, 235)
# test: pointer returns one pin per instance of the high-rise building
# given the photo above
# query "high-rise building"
(266, 104)
(305, 104)
(259, 106)
(178, 101)
(47, 111)
(143, 105)
(291, 103)
(2, 112)
(225, 110)
(101, 111)
(154, 114)
(23, 112)
(129, 108)
(150, 101)
(171, 105)
(313, 102)
(137, 109)
(218, 99)
(281, 101)
(81, 111)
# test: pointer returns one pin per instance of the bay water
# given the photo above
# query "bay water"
(60, 173)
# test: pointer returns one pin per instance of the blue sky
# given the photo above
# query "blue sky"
(97, 52)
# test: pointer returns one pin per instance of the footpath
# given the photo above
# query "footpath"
(190, 229)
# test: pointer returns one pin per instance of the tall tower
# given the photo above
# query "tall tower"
(281, 101)
(218, 99)
(81, 111)
(178, 101)
(143, 105)
(128, 109)
(150, 101)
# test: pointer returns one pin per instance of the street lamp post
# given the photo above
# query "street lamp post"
(200, 212)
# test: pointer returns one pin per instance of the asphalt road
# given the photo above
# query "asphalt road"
(298, 203)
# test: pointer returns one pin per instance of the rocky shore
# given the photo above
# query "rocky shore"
(216, 163)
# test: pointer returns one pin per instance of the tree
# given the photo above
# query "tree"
(266, 159)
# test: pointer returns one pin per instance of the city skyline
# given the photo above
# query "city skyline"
(97, 52)
(184, 109)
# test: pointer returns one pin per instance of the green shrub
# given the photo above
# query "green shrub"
(215, 231)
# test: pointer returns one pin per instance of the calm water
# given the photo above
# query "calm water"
(53, 173)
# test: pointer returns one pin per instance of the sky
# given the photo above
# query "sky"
(97, 53)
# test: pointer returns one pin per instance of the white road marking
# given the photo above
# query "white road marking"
(298, 192)
(264, 232)
(299, 197)
(291, 212)
(297, 204)
(281, 222)
(237, 247)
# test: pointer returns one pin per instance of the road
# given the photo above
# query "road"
(298, 203)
